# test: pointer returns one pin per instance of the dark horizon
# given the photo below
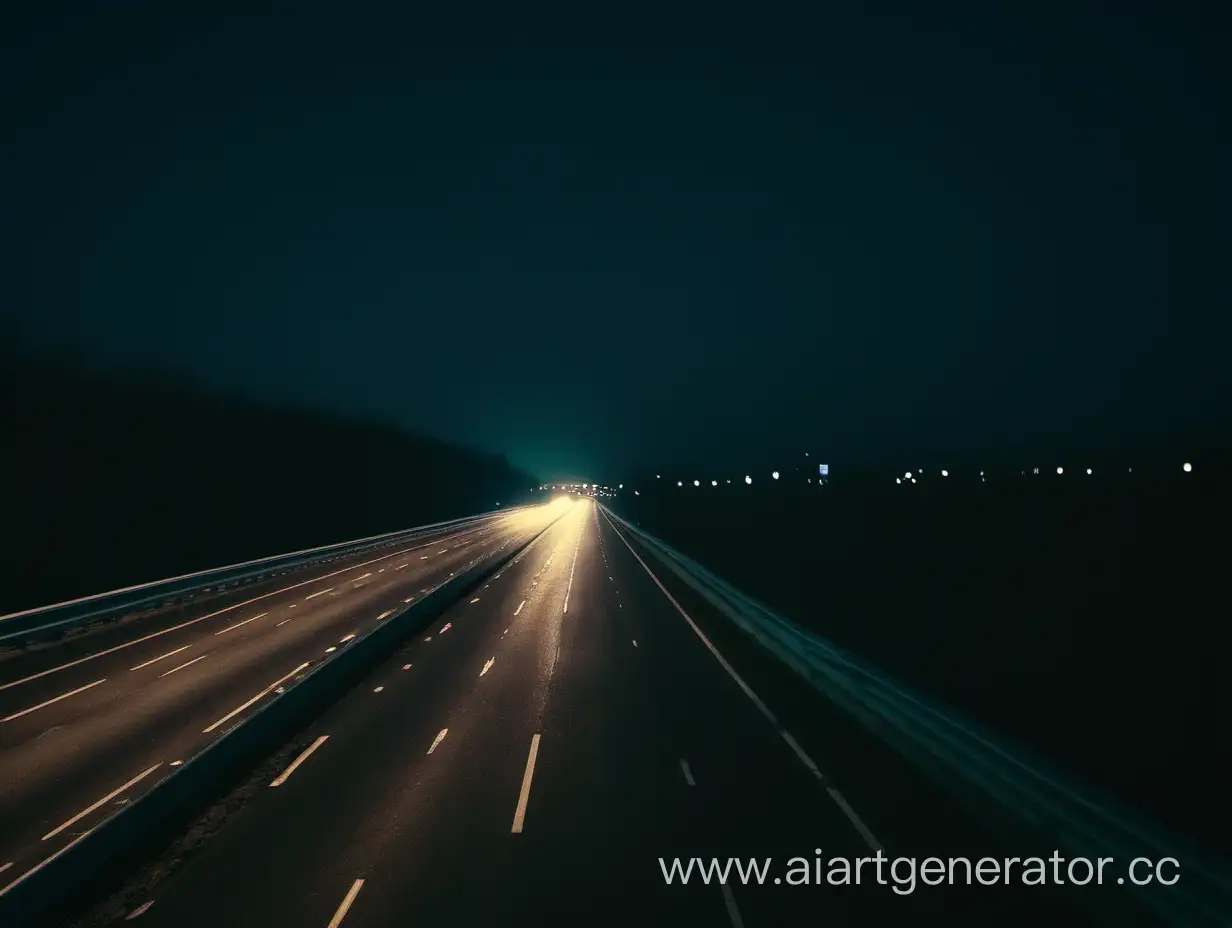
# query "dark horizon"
(608, 243)
(1162, 452)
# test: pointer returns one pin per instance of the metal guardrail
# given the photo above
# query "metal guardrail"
(45, 621)
(974, 763)
(108, 849)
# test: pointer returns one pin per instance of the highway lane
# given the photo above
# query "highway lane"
(531, 758)
(18, 663)
(129, 710)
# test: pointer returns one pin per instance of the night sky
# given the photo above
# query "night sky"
(607, 240)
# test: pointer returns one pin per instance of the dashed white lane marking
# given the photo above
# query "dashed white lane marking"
(238, 624)
(379, 689)
(322, 593)
(4, 867)
(446, 627)
(282, 777)
(406, 666)
(177, 763)
(487, 666)
(834, 794)
(429, 638)
(408, 599)
(519, 609)
(331, 649)
(348, 637)
(182, 666)
(384, 615)
(364, 577)
(424, 558)
(140, 910)
(475, 600)
(688, 774)
(160, 657)
(346, 904)
(519, 814)
(236, 711)
(440, 736)
(283, 622)
(400, 566)
(733, 911)
(173, 628)
(111, 795)
(80, 689)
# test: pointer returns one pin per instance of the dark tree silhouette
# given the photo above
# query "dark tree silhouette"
(115, 479)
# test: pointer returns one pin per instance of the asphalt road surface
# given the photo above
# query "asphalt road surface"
(92, 722)
(531, 758)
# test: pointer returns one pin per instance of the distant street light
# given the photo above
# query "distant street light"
(775, 475)
(679, 483)
(748, 479)
(898, 479)
(1060, 470)
(908, 475)
(1187, 467)
(1088, 472)
(697, 483)
(945, 473)
(714, 483)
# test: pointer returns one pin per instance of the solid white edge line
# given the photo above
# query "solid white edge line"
(795, 746)
(688, 774)
(762, 707)
(111, 795)
(577, 547)
(245, 622)
(159, 658)
(238, 710)
(282, 777)
(182, 666)
(43, 863)
(855, 820)
(140, 910)
(247, 602)
(346, 904)
(519, 814)
(733, 911)
(838, 798)
(17, 715)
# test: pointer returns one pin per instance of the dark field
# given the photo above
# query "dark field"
(1081, 616)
